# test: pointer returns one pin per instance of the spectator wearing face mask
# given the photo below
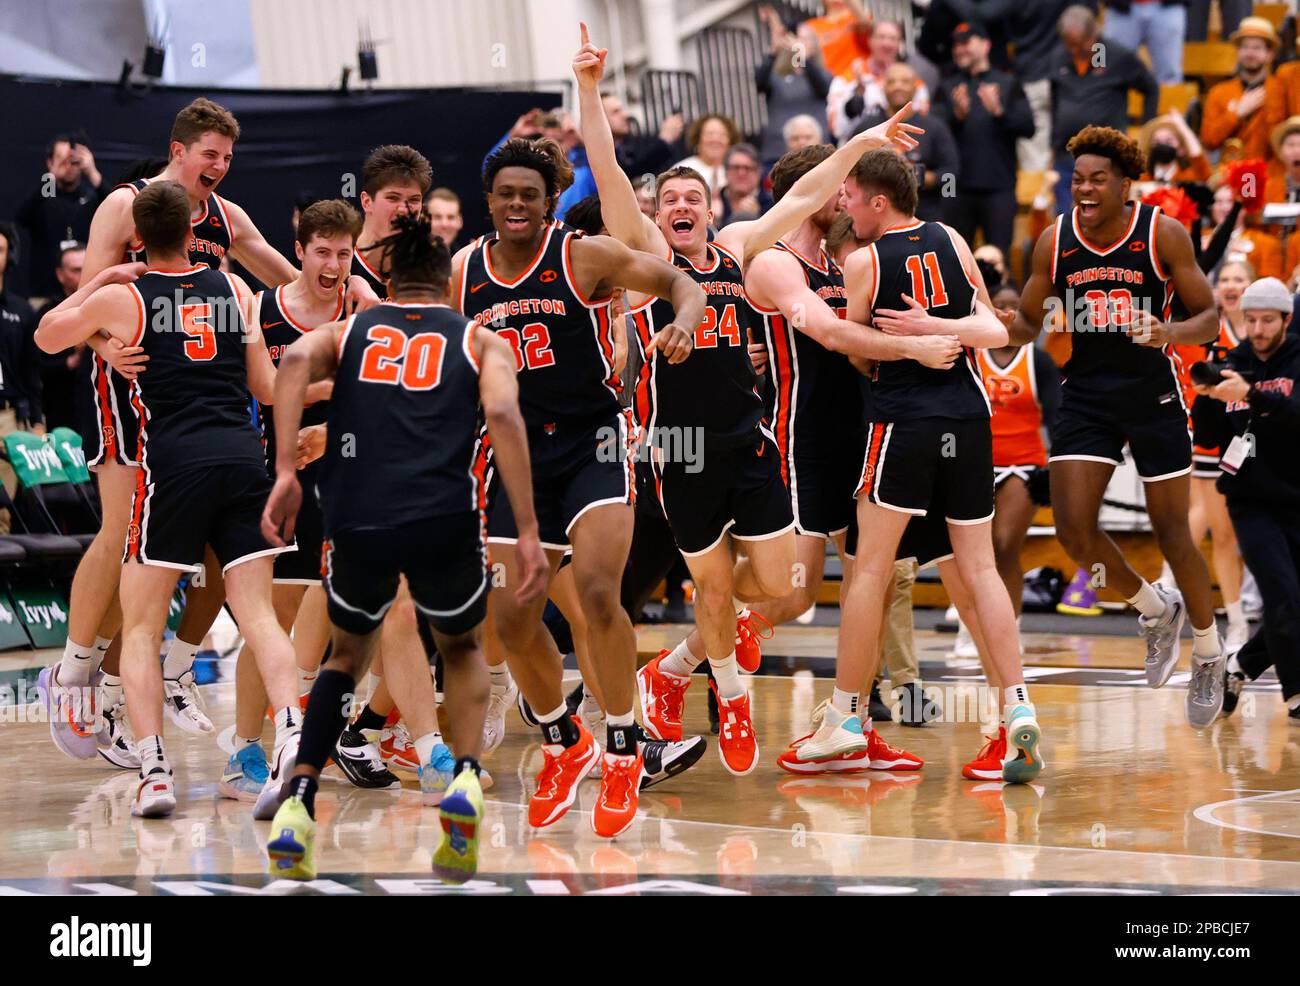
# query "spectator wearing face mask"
(1174, 154)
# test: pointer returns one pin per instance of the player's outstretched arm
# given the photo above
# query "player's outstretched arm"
(618, 205)
(111, 230)
(312, 358)
(80, 316)
(249, 247)
(809, 193)
(1032, 317)
(860, 280)
(499, 395)
(775, 280)
(601, 260)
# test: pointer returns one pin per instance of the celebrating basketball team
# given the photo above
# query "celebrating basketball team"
(393, 454)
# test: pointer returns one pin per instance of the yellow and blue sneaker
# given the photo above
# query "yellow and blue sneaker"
(290, 852)
(461, 815)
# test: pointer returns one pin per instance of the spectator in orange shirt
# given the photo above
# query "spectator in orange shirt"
(1248, 105)
(1173, 152)
(1261, 249)
(1287, 98)
(1283, 182)
(844, 33)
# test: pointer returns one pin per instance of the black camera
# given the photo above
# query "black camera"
(1209, 373)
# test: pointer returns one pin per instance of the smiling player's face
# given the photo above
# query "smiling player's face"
(518, 204)
(325, 260)
(684, 214)
(203, 164)
(1098, 190)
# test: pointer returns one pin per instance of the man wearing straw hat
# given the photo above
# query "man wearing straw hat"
(1248, 105)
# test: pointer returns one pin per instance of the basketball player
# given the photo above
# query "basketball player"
(734, 495)
(203, 473)
(202, 145)
(929, 447)
(1116, 267)
(395, 504)
(546, 289)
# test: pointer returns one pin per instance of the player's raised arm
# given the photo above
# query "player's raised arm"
(1033, 314)
(618, 205)
(105, 243)
(499, 396)
(778, 282)
(249, 247)
(611, 263)
(809, 193)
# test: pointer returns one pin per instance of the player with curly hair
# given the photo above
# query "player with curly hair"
(1127, 280)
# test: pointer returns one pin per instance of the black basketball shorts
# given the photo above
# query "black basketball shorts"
(107, 422)
(736, 490)
(303, 567)
(925, 464)
(1096, 431)
(576, 467)
(821, 486)
(174, 516)
(925, 539)
(444, 560)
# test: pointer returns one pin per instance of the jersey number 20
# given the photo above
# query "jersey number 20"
(393, 358)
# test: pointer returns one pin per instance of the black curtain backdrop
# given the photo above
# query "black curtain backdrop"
(292, 141)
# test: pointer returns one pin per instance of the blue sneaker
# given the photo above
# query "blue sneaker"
(436, 775)
(72, 713)
(245, 774)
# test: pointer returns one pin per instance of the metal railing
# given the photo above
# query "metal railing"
(728, 58)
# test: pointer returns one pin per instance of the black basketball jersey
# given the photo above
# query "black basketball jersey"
(362, 269)
(281, 330)
(920, 260)
(562, 341)
(192, 401)
(1100, 288)
(713, 388)
(209, 232)
(403, 420)
(815, 400)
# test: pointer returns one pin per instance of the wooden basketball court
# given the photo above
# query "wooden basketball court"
(1133, 801)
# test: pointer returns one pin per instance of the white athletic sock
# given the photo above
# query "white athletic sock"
(1148, 602)
(425, 744)
(287, 722)
(555, 714)
(305, 680)
(727, 675)
(150, 751)
(242, 741)
(1016, 695)
(78, 664)
(500, 676)
(846, 702)
(372, 684)
(102, 645)
(1205, 644)
(626, 719)
(1236, 615)
(112, 690)
(179, 659)
(681, 663)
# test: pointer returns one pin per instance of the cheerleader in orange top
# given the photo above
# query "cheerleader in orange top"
(1209, 511)
(1024, 389)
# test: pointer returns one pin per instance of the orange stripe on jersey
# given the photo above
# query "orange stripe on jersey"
(642, 325)
(137, 512)
(605, 339)
(785, 372)
(573, 280)
(1155, 253)
(108, 431)
(875, 440)
(1017, 418)
(479, 469)
(139, 306)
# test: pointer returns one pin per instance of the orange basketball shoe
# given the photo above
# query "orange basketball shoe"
(662, 697)
(557, 782)
(616, 803)
(751, 627)
(736, 740)
(987, 765)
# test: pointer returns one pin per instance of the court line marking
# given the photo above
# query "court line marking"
(1205, 813)
(1149, 856)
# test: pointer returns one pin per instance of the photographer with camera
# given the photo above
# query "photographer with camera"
(1254, 416)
